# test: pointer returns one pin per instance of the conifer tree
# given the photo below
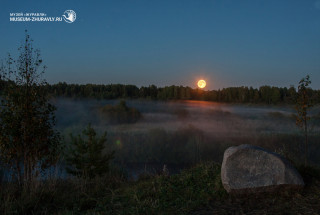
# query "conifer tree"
(86, 156)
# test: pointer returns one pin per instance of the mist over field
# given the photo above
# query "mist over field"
(180, 133)
(212, 118)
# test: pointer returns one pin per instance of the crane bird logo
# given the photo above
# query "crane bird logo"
(69, 16)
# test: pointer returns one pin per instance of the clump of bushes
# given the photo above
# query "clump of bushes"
(120, 113)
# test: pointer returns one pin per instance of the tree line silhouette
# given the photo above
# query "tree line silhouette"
(263, 94)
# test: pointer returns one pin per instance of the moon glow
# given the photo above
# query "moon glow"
(202, 83)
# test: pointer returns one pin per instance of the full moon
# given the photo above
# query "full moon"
(202, 83)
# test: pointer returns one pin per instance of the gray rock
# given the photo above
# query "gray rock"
(248, 168)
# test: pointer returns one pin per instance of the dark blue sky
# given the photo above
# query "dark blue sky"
(171, 42)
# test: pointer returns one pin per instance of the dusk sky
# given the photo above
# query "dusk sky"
(172, 42)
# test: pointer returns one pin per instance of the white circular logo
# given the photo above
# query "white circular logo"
(69, 16)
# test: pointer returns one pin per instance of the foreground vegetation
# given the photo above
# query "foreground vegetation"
(197, 190)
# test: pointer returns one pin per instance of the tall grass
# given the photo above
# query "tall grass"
(197, 191)
(114, 195)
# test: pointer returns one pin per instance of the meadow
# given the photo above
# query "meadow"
(189, 137)
(183, 133)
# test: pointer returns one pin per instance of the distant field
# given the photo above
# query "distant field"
(189, 131)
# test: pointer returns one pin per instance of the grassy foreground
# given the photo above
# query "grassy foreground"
(197, 191)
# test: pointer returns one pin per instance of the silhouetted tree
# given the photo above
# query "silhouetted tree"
(28, 141)
(302, 106)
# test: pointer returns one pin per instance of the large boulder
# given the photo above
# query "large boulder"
(248, 168)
